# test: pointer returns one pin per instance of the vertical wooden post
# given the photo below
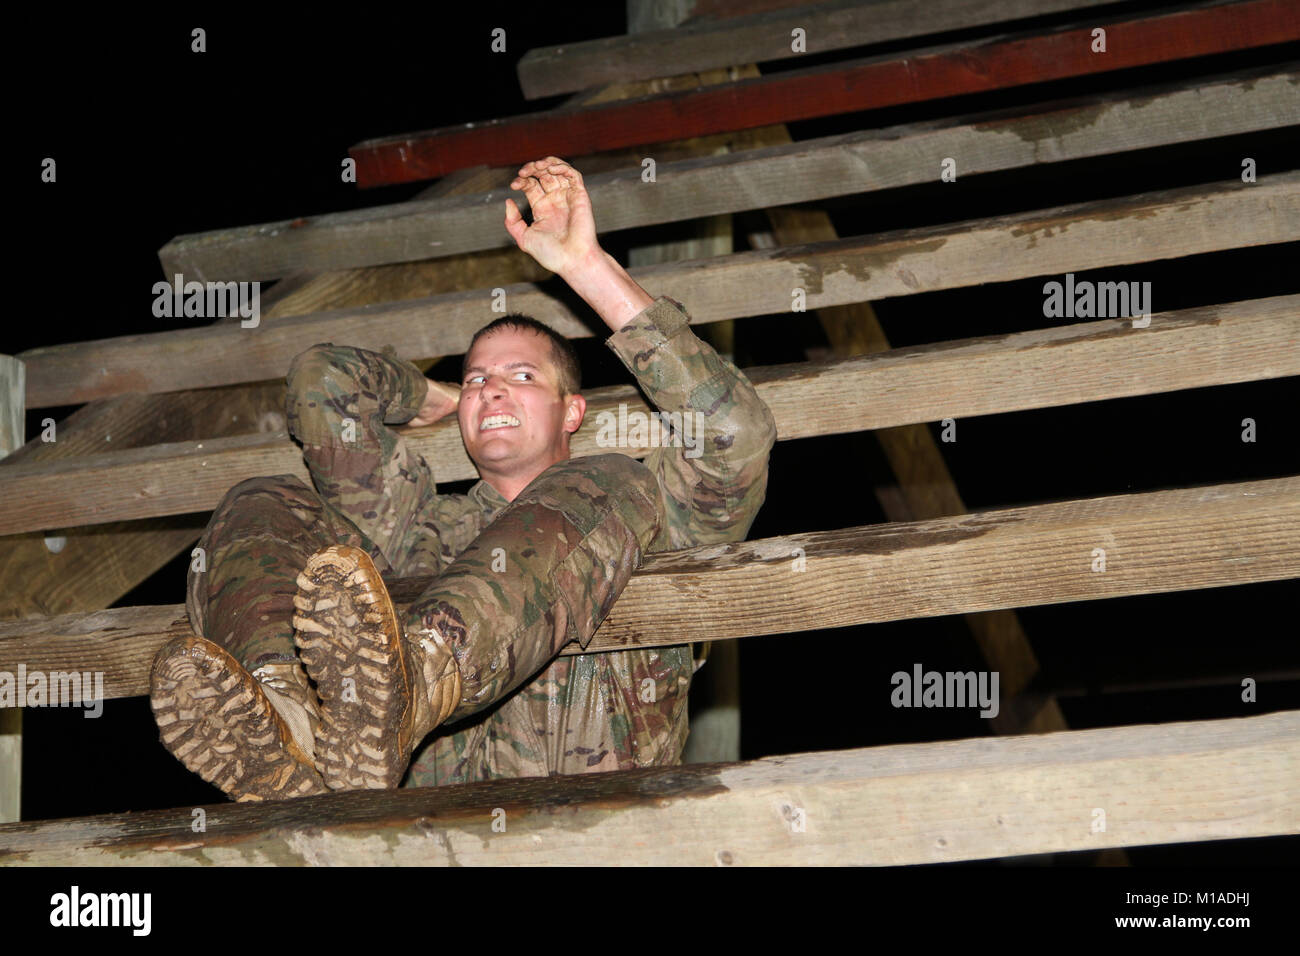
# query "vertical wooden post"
(13, 420)
(715, 691)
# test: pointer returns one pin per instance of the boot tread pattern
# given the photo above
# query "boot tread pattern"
(349, 640)
(214, 718)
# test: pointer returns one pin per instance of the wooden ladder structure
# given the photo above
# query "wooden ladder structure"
(187, 414)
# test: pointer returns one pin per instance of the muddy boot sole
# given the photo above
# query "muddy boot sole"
(214, 718)
(349, 639)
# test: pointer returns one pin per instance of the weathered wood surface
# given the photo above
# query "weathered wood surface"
(1176, 540)
(1213, 345)
(547, 71)
(13, 425)
(94, 567)
(362, 283)
(872, 83)
(927, 490)
(1075, 238)
(912, 803)
(733, 182)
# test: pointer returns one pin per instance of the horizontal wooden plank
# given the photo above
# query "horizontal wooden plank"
(1215, 345)
(754, 178)
(1073, 238)
(692, 46)
(911, 803)
(873, 83)
(1177, 540)
(96, 566)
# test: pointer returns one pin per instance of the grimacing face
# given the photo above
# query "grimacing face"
(513, 419)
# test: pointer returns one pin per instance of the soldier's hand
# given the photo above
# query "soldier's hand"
(563, 233)
(440, 402)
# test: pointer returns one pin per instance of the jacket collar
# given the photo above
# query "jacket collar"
(488, 498)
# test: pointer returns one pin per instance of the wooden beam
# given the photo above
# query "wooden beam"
(1181, 222)
(547, 71)
(1195, 348)
(925, 487)
(873, 83)
(911, 803)
(1154, 542)
(93, 568)
(927, 490)
(371, 284)
(13, 425)
(695, 185)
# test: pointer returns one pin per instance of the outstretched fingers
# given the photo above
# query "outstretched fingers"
(572, 177)
(548, 175)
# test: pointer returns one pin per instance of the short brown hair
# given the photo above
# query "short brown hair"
(562, 350)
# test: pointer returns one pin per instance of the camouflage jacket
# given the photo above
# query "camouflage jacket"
(589, 712)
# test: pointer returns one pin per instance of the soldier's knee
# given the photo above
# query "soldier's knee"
(311, 379)
(280, 487)
(619, 470)
(310, 364)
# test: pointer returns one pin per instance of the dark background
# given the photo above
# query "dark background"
(153, 141)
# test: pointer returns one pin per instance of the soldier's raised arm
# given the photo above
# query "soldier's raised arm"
(713, 474)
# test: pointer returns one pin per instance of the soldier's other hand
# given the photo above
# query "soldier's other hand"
(440, 401)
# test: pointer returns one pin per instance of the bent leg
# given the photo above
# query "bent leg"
(259, 538)
(545, 572)
(232, 703)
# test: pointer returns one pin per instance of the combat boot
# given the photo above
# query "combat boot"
(380, 691)
(251, 735)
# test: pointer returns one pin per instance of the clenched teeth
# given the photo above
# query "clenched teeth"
(498, 421)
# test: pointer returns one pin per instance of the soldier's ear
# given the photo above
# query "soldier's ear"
(574, 410)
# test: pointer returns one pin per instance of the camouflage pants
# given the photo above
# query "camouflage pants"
(544, 572)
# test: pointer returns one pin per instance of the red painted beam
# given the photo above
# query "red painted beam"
(825, 91)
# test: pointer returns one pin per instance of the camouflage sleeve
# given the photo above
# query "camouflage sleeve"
(339, 404)
(712, 472)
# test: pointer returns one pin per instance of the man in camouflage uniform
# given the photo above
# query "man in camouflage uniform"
(532, 558)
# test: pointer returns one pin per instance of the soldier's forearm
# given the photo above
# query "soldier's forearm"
(605, 285)
(715, 474)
